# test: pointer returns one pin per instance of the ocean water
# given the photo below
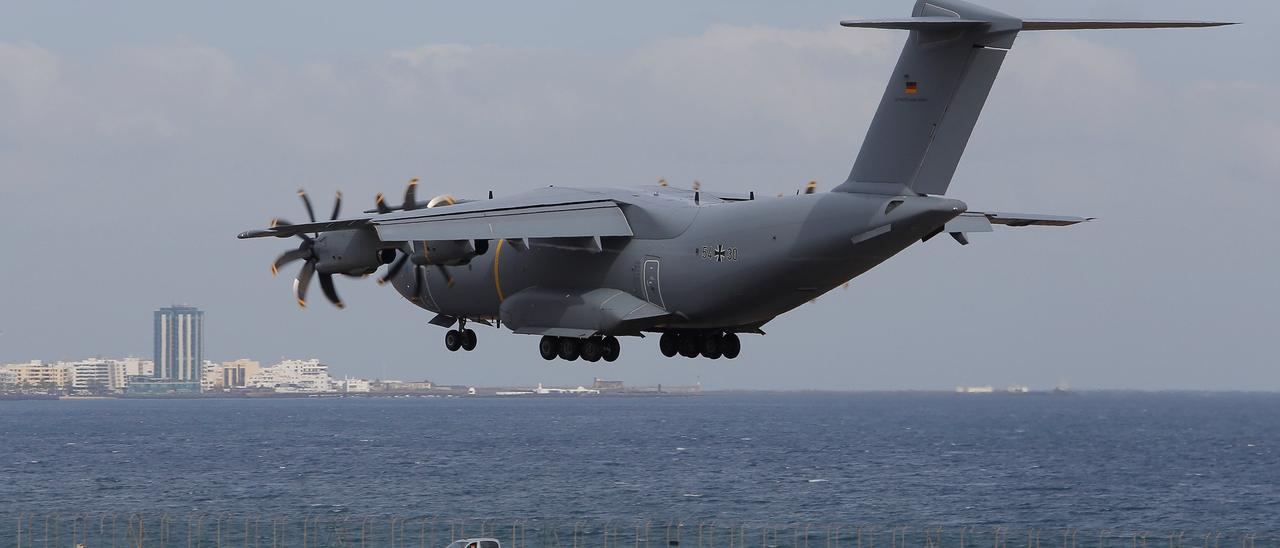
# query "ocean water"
(1156, 462)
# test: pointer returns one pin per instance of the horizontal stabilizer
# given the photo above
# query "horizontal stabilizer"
(944, 23)
(927, 23)
(979, 221)
(1084, 24)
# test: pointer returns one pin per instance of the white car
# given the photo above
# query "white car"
(476, 543)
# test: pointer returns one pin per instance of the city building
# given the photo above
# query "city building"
(307, 376)
(210, 376)
(354, 386)
(37, 374)
(179, 343)
(400, 387)
(601, 384)
(138, 367)
(95, 375)
(141, 386)
(236, 373)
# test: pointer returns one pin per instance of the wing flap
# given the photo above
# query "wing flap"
(583, 219)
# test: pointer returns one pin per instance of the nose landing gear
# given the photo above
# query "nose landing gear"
(460, 338)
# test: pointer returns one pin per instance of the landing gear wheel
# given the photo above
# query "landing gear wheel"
(453, 340)
(569, 348)
(468, 340)
(709, 345)
(688, 345)
(669, 344)
(592, 349)
(549, 347)
(730, 345)
(611, 348)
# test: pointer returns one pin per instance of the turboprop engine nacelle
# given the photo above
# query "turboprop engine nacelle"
(448, 252)
(353, 252)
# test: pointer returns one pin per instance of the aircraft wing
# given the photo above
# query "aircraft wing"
(549, 213)
(559, 220)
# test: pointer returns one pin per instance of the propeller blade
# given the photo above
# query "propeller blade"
(337, 206)
(394, 269)
(302, 281)
(811, 187)
(326, 285)
(288, 257)
(311, 214)
(381, 203)
(447, 278)
(418, 282)
(411, 195)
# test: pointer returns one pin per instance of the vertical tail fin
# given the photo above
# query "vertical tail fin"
(934, 97)
(938, 88)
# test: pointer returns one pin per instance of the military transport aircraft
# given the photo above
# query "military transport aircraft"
(583, 266)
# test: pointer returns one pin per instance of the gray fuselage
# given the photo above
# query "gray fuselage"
(712, 263)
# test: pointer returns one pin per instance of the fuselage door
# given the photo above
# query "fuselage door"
(652, 284)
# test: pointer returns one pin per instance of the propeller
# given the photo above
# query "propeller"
(418, 258)
(410, 200)
(306, 252)
(811, 187)
(411, 195)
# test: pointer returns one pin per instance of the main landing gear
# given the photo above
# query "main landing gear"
(591, 349)
(460, 338)
(709, 344)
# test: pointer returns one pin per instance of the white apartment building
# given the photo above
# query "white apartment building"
(138, 367)
(37, 374)
(95, 374)
(354, 386)
(309, 376)
(210, 376)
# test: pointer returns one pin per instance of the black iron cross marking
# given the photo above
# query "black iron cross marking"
(719, 253)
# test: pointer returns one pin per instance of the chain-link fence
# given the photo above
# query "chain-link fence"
(201, 531)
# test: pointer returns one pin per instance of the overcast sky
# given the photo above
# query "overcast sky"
(136, 140)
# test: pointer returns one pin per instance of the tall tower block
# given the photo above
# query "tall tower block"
(179, 343)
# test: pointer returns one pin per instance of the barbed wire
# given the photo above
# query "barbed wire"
(135, 530)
